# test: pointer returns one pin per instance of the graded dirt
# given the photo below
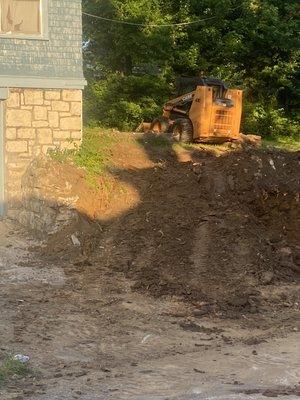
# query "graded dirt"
(185, 284)
(216, 226)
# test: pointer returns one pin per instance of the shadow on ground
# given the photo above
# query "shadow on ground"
(194, 269)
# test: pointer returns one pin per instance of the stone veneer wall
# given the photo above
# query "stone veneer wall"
(35, 121)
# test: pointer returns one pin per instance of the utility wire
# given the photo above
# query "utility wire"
(154, 25)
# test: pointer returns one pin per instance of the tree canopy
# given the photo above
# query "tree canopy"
(250, 44)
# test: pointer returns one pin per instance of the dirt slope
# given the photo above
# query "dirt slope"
(185, 283)
(216, 226)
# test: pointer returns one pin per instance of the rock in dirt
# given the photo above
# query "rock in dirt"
(199, 371)
(254, 341)
(191, 327)
(239, 301)
(285, 252)
(287, 257)
(267, 277)
(201, 313)
(75, 241)
(197, 168)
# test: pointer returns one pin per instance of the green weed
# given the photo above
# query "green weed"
(11, 368)
(282, 142)
(94, 154)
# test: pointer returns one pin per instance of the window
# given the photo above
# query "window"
(21, 17)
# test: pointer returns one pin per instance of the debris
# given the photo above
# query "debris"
(197, 168)
(103, 369)
(190, 327)
(267, 277)
(146, 338)
(272, 164)
(201, 313)
(75, 241)
(286, 259)
(23, 359)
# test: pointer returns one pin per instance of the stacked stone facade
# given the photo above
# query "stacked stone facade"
(36, 121)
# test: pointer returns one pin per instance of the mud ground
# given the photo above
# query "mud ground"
(185, 286)
(89, 337)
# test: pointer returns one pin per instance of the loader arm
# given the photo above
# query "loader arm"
(177, 105)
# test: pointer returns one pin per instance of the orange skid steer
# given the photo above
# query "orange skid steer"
(210, 113)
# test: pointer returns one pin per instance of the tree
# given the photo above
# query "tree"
(251, 44)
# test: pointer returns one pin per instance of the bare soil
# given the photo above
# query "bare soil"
(185, 285)
(215, 226)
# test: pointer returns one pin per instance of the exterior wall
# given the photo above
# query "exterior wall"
(58, 55)
(44, 76)
(35, 121)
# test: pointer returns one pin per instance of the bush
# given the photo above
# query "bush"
(266, 121)
(123, 102)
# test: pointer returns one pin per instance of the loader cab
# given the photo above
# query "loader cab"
(189, 84)
(186, 88)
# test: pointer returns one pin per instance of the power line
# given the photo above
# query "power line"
(145, 25)
(154, 25)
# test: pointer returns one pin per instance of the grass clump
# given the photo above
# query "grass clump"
(291, 143)
(11, 368)
(94, 154)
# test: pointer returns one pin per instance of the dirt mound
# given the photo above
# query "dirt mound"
(215, 230)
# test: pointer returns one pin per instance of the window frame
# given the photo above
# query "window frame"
(44, 35)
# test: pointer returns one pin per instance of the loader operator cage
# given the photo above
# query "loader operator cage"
(188, 84)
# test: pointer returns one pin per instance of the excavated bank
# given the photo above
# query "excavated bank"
(217, 228)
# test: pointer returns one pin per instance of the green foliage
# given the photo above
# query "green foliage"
(95, 152)
(123, 102)
(94, 155)
(266, 121)
(251, 44)
(282, 142)
(12, 368)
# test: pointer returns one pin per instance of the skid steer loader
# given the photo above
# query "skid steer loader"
(210, 112)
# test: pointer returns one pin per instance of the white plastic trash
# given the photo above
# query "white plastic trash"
(23, 359)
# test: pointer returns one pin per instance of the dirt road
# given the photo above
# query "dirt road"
(90, 337)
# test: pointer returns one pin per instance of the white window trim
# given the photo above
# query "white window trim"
(44, 27)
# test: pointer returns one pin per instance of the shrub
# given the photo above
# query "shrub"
(267, 121)
(123, 102)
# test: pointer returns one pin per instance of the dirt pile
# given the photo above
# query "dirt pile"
(220, 230)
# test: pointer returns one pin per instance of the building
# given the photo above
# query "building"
(41, 82)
